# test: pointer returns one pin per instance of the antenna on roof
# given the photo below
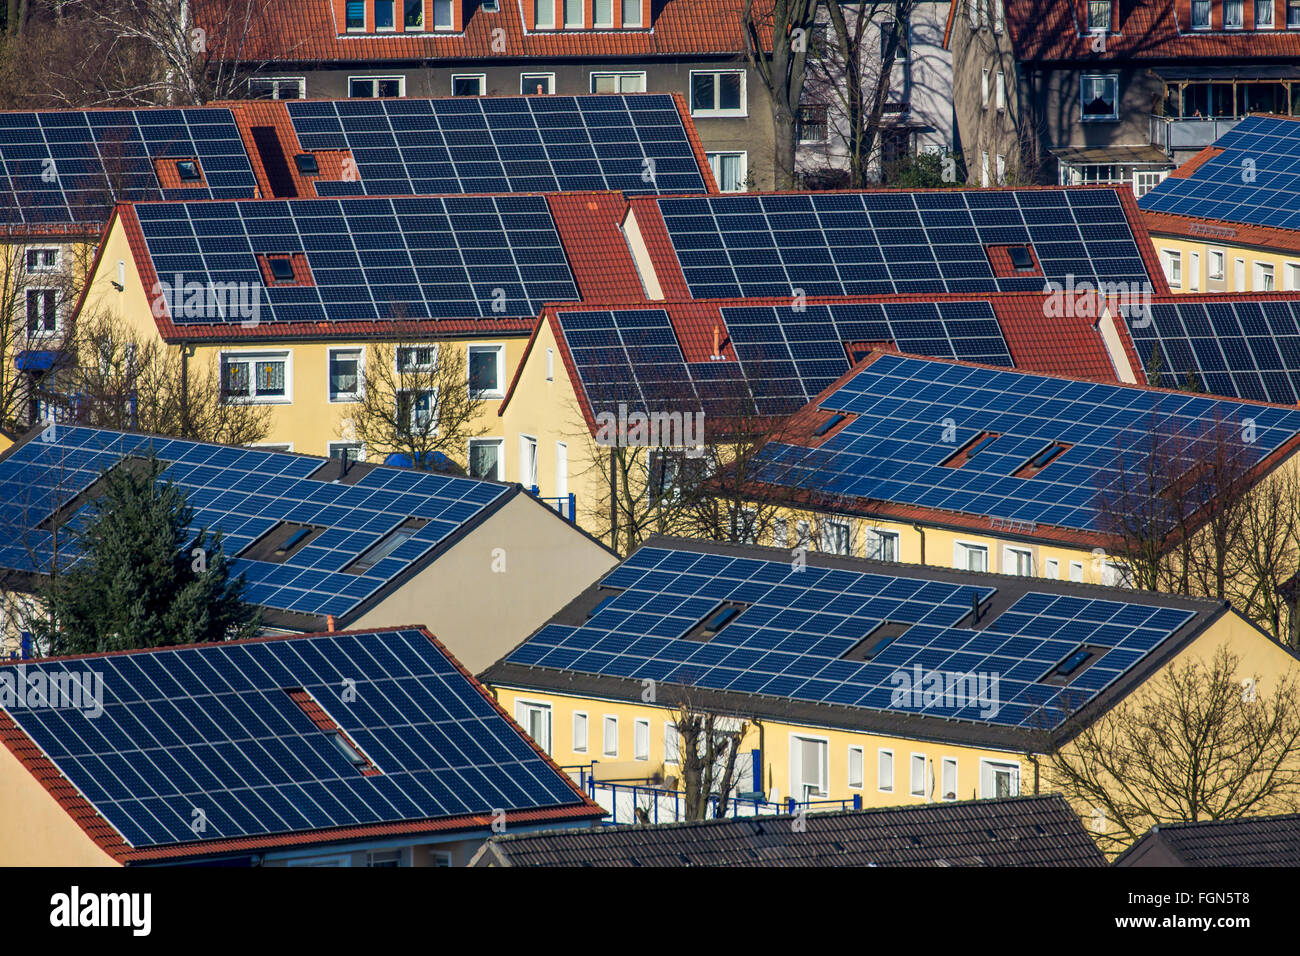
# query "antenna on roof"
(975, 604)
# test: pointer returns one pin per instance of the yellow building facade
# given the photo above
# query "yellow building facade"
(1217, 263)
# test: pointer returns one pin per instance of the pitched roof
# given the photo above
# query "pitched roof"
(1056, 30)
(805, 646)
(164, 737)
(251, 495)
(882, 462)
(310, 31)
(1241, 841)
(1016, 831)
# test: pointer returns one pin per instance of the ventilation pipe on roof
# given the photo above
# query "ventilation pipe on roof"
(329, 622)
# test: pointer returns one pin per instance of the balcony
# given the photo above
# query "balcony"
(1172, 134)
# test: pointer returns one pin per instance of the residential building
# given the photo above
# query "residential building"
(826, 670)
(1013, 831)
(321, 542)
(359, 748)
(1239, 841)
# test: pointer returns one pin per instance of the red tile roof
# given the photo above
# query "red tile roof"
(1055, 30)
(1222, 231)
(309, 31)
(111, 842)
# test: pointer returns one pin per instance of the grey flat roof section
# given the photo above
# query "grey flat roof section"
(887, 720)
(1018, 831)
(1243, 841)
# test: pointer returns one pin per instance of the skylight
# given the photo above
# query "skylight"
(385, 546)
(972, 448)
(1020, 257)
(281, 268)
(188, 171)
(306, 164)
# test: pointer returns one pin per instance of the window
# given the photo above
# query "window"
(999, 779)
(1264, 14)
(1098, 14)
(1194, 271)
(1100, 97)
(984, 168)
(562, 472)
(803, 534)
(1052, 569)
(887, 30)
(1200, 14)
(885, 771)
(836, 537)
(356, 15)
(416, 409)
(277, 87)
(1239, 275)
(353, 450)
(187, 171)
(1292, 276)
(345, 375)
(531, 83)
(949, 785)
(307, 164)
(1000, 91)
(536, 721)
(386, 546)
(971, 557)
(672, 744)
(781, 532)
(487, 371)
(385, 18)
(384, 858)
(1214, 264)
(1174, 267)
(918, 775)
(1001, 170)
(43, 260)
(603, 13)
(728, 170)
(527, 461)
(1263, 277)
(641, 740)
(440, 858)
(882, 545)
(544, 14)
(998, 16)
(609, 746)
(413, 14)
(550, 365)
(618, 82)
(370, 87)
(973, 11)
(442, 14)
(631, 13)
(579, 732)
(417, 358)
(808, 768)
(485, 458)
(255, 378)
(468, 84)
(855, 768)
(42, 310)
(572, 14)
(1076, 572)
(718, 93)
(1292, 14)
(811, 125)
(1018, 561)
(984, 89)
(1232, 14)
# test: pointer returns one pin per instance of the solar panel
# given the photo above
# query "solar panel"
(207, 743)
(72, 165)
(911, 416)
(244, 493)
(794, 635)
(898, 242)
(1240, 349)
(634, 143)
(1255, 178)
(369, 259)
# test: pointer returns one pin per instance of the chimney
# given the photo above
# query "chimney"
(715, 342)
(329, 623)
(345, 462)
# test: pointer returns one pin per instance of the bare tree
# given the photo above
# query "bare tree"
(1270, 556)
(709, 751)
(415, 399)
(780, 63)
(1198, 743)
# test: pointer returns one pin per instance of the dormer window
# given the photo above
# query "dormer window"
(1263, 14)
(385, 16)
(631, 13)
(413, 19)
(1232, 14)
(1200, 14)
(442, 15)
(356, 16)
(572, 14)
(1099, 15)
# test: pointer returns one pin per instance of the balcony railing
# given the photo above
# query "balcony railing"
(566, 505)
(1171, 133)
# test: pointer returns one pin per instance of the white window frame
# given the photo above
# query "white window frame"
(999, 16)
(1238, 274)
(911, 774)
(550, 83)
(562, 470)
(875, 544)
(341, 860)
(717, 111)
(1111, 117)
(1210, 270)
(360, 446)
(797, 786)
(641, 739)
(43, 292)
(501, 454)
(861, 755)
(988, 777)
(252, 357)
(1173, 266)
(843, 531)
(884, 758)
(1209, 15)
(1291, 276)
(984, 89)
(582, 14)
(301, 82)
(1000, 170)
(672, 744)
(441, 858)
(482, 83)
(984, 168)
(949, 763)
(1000, 92)
(353, 397)
(398, 16)
(586, 732)
(365, 19)
(43, 270)
(623, 8)
(960, 554)
(1240, 6)
(716, 170)
(1194, 271)
(550, 365)
(526, 441)
(377, 78)
(1052, 569)
(780, 532)
(1010, 558)
(433, 407)
(500, 349)
(1076, 567)
(802, 534)
(1265, 277)
(522, 706)
(620, 75)
(609, 720)
(451, 16)
(598, 24)
(538, 7)
(423, 366)
(1260, 7)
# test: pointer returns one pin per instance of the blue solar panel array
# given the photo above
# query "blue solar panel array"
(1255, 179)
(72, 165)
(213, 729)
(634, 143)
(244, 493)
(797, 625)
(898, 242)
(1242, 349)
(910, 415)
(785, 356)
(370, 259)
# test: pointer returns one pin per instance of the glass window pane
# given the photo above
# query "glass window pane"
(485, 460)
(544, 13)
(604, 13)
(702, 95)
(483, 370)
(573, 13)
(729, 91)
(383, 14)
(356, 14)
(631, 13)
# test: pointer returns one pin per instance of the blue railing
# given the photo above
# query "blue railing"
(566, 505)
(639, 803)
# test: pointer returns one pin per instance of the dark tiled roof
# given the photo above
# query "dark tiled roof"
(1244, 841)
(1021, 831)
